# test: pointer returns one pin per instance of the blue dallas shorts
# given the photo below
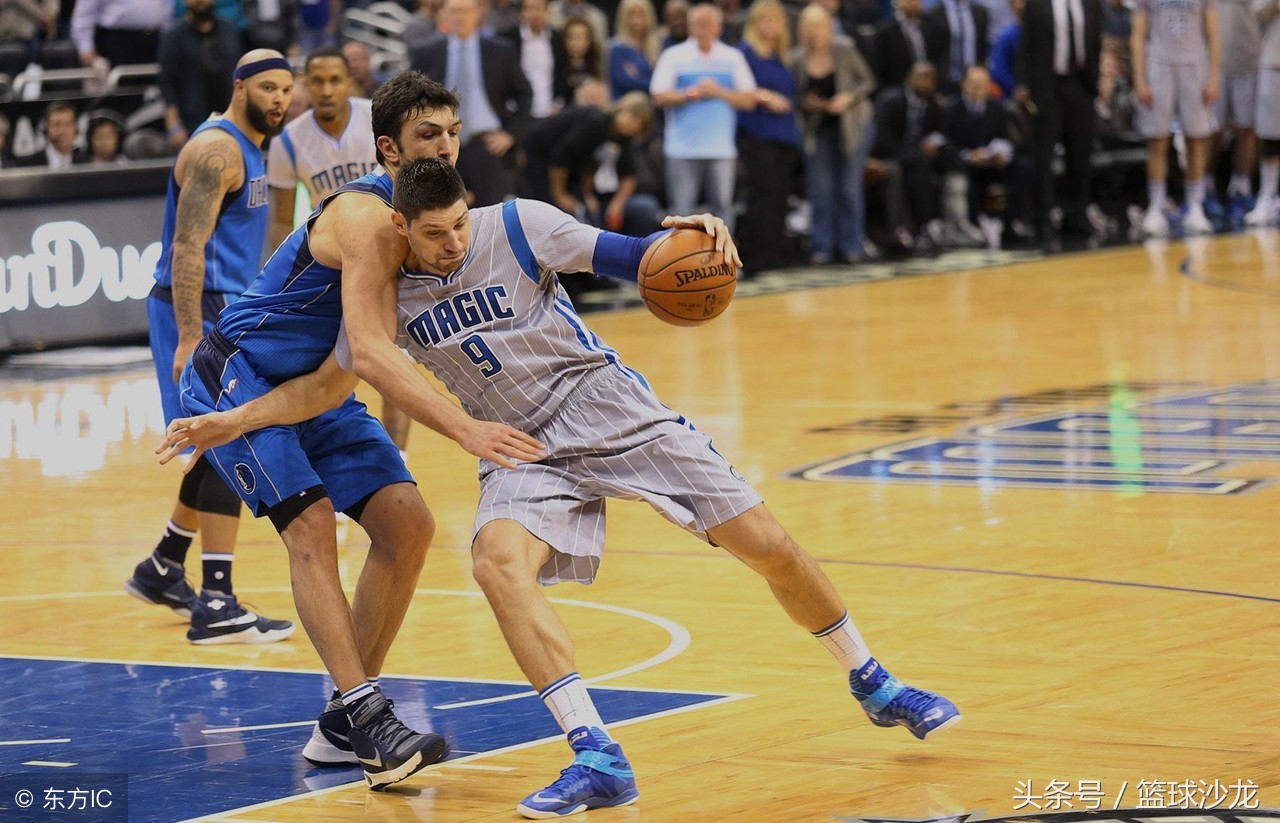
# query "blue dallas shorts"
(346, 449)
(163, 327)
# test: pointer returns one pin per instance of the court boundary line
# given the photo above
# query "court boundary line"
(1184, 268)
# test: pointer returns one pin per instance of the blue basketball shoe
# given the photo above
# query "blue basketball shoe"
(890, 702)
(158, 581)
(598, 777)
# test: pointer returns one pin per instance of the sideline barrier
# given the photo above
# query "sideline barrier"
(78, 251)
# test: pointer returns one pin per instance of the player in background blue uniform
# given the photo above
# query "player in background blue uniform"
(215, 221)
(342, 266)
(480, 304)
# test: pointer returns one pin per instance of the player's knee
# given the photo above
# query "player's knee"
(216, 497)
(499, 567)
(397, 519)
(305, 514)
(189, 491)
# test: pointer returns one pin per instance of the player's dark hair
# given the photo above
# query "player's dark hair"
(402, 95)
(326, 52)
(427, 184)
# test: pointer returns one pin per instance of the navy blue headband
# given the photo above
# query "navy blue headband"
(258, 66)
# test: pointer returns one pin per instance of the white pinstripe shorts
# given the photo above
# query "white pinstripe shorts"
(611, 438)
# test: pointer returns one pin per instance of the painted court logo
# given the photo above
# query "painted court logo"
(244, 476)
(1123, 437)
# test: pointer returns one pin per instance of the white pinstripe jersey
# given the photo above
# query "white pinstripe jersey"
(500, 331)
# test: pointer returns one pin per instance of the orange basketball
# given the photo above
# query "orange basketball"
(684, 280)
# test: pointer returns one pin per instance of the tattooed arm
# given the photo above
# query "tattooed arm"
(211, 166)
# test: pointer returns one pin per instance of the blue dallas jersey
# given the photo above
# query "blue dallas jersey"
(287, 322)
(234, 249)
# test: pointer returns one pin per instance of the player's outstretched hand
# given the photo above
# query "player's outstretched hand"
(713, 226)
(204, 432)
(501, 444)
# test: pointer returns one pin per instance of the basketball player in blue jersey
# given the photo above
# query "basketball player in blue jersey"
(342, 266)
(481, 306)
(214, 223)
(329, 146)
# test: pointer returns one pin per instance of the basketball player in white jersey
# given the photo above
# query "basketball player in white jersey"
(1176, 64)
(327, 147)
(481, 306)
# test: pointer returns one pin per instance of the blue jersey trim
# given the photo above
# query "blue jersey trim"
(519, 243)
(618, 256)
(287, 141)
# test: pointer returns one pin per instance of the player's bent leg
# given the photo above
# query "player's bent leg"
(161, 579)
(217, 616)
(388, 750)
(311, 538)
(400, 527)
(506, 559)
(756, 538)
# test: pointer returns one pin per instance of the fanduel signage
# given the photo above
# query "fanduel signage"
(68, 266)
(77, 271)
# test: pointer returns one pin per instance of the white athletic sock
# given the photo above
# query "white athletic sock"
(1241, 185)
(570, 705)
(845, 644)
(1270, 180)
(1156, 193)
(1195, 192)
(356, 694)
(374, 681)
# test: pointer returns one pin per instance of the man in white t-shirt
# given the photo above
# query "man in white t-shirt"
(324, 149)
(703, 83)
(329, 146)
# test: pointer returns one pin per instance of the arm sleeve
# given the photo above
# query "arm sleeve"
(282, 171)
(560, 243)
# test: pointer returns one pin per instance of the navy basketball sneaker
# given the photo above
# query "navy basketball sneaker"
(598, 777)
(389, 750)
(219, 618)
(890, 702)
(165, 584)
(330, 743)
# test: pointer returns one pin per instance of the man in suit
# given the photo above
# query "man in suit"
(495, 98)
(899, 44)
(1057, 76)
(60, 132)
(978, 132)
(539, 52)
(955, 37)
(909, 135)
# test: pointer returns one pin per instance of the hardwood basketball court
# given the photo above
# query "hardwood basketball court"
(1046, 490)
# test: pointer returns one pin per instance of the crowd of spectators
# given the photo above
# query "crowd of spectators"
(832, 131)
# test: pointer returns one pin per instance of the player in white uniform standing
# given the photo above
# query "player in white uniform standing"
(1240, 42)
(1176, 75)
(1267, 212)
(327, 147)
(481, 306)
